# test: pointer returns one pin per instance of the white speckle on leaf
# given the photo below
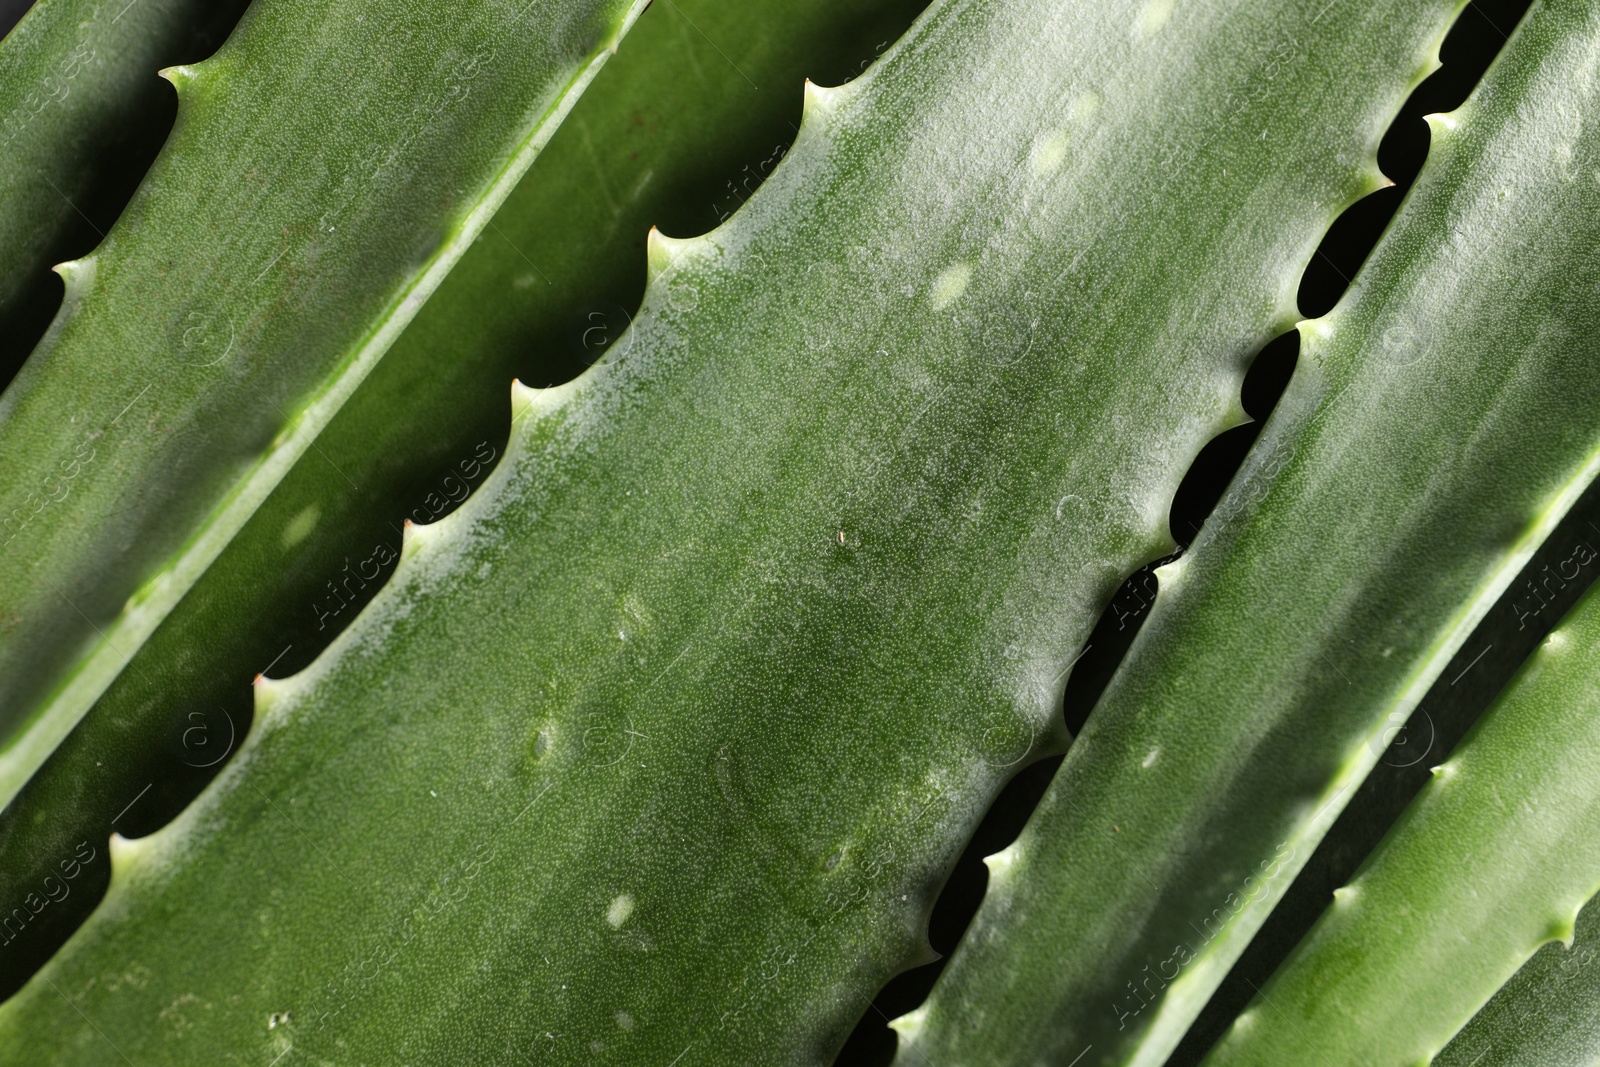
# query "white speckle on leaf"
(619, 911)
(951, 283)
(299, 528)
(1154, 16)
(1049, 152)
(624, 1020)
(1150, 760)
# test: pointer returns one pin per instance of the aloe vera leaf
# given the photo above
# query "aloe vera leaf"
(81, 112)
(1441, 421)
(644, 144)
(328, 166)
(1547, 1015)
(659, 746)
(1492, 860)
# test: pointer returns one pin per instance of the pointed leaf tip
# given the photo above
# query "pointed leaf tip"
(1167, 574)
(76, 273)
(909, 1024)
(528, 402)
(126, 852)
(822, 100)
(1441, 122)
(264, 692)
(414, 535)
(664, 253)
(180, 75)
(1374, 179)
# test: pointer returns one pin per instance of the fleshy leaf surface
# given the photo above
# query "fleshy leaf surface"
(1492, 860)
(1547, 1015)
(689, 117)
(1440, 422)
(660, 746)
(80, 105)
(329, 165)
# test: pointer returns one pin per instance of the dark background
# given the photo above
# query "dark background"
(10, 12)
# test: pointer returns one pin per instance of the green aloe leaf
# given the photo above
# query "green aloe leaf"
(1439, 424)
(660, 746)
(1492, 860)
(1547, 1015)
(329, 165)
(539, 295)
(80, 104)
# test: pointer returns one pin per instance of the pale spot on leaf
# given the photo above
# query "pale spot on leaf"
(1049, 152)
(299, 528)
(1154, 16)
(950, 284)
